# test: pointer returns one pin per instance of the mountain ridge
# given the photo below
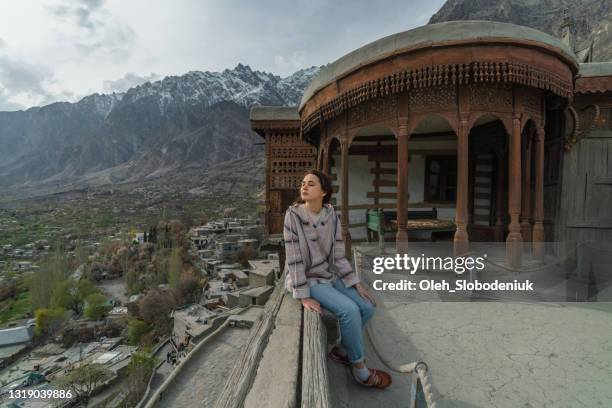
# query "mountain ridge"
(591, 20)
(200, 118)
(176, 122)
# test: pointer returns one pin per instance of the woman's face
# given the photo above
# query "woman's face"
(311, 189)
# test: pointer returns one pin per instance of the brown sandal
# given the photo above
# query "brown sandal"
(335, 355)
(377, 379)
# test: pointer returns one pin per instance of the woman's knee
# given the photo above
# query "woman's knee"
(367, 311)
(349, 311)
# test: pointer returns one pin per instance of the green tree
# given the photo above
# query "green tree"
(97, 306)
(48, 321)
(161, 262)
(81, 254)
(132, 278)
(70, 294)
(140, 369)
(175, 266)
(53, 271)
(136, 330)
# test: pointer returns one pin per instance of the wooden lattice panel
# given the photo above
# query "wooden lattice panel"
(293, 151)
(289, 158)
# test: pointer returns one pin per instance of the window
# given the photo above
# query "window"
(441, 179)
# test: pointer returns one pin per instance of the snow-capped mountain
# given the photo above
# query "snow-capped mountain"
(241, 85)
(194, 120)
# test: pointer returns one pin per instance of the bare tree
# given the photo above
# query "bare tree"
(155, 308)
(85, 379)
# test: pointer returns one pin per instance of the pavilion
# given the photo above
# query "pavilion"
(466, 121)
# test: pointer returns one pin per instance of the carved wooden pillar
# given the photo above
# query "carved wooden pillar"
(526, 193)
(514, 240)
(325, 159)
(401, 239)
(501, 178)
(325, 145)
(538, 227)
(322, 140)
(461, 242)
(344, 199)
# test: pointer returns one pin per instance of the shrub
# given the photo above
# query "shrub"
(48, 321)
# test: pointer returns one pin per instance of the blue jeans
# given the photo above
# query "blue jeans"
(352, 311)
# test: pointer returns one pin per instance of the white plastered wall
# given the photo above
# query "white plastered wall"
(360, 181)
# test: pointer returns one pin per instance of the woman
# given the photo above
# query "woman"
(319, 275)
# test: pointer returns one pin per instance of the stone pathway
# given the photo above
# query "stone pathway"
(203, 378)
(115, 288)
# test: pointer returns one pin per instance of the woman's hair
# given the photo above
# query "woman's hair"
(326, 186)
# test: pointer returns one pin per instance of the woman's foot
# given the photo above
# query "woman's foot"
(338, 355)
(371, 377)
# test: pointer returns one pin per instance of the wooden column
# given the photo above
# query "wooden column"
(514, 240)
(344, 198)
(322, 140)
(526, 193)
(461, 241)
(538, 227)
(326, 145)
(377, 174)
(401, 239)
(325, 166)
(501, 179)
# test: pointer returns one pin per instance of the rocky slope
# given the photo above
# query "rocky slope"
(195, 120)
(592, 19)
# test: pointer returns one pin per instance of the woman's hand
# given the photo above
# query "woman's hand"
(364, 293)
(311, 304)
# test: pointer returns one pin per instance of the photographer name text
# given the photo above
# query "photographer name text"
(452, 286)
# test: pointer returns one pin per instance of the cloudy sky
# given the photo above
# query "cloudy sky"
(54, 50)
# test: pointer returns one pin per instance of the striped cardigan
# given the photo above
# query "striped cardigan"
(309, 262)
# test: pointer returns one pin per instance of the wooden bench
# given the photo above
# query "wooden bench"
(380, 221)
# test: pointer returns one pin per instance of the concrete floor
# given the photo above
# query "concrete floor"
(345, 392)
(489, 354)
(514, 354)
(511, 352)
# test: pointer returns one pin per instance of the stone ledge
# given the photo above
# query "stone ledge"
(276, 380)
